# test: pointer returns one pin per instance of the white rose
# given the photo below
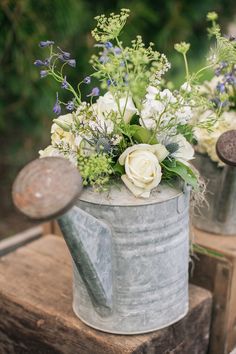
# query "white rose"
(143, 171)
(185, 150)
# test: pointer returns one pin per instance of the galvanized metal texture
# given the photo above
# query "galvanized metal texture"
(149, 259)
(218, 214)
(46, 188)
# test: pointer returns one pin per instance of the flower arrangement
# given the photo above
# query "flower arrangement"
(220, 90)
(140, 129)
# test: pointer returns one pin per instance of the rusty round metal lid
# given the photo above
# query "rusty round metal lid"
(46, 188)
(226, 147)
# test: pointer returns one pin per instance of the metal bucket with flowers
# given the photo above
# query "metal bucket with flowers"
(128, 232)
(217, 214)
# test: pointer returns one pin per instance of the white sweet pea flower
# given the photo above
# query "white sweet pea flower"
(167, 95)
(185, 151)
(51, 151)
(152, 92)
(186, 87)
(142, 167)
(63, 122)
(151, 110)
(107, 104)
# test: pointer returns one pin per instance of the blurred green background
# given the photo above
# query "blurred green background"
(26, 101)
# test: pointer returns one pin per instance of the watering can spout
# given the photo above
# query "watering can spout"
(49, 187)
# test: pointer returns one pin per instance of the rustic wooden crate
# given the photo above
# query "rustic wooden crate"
(36, 314)
(217, 272)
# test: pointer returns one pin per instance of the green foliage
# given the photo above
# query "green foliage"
(25, 104)
(95, 170)
(178, 168)
(142, 135)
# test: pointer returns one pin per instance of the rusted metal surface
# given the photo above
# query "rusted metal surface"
(226, 147)
(46, 188)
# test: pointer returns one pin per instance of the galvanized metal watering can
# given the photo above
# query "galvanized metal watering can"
(218, 215)
(130, 256)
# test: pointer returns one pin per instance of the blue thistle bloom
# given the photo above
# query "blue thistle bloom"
(230, 78)
(39, 62)
(87, 80)
(95, 92)
(216, 101)
(44, 44)
(64, 83)
(218, 71)
(220, 87)
(70, 106)
(43, 73)
(223, 64)
(72, 62)
(57, 107)
(108, 45)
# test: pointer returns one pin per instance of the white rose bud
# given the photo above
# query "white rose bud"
(142, 167)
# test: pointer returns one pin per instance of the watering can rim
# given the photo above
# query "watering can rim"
(122, 197)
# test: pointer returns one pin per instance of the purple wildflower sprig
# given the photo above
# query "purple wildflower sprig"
(54, 66)
(225, 89)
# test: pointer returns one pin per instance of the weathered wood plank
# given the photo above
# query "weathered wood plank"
(218, 274)
(36, 314)
(11, 243)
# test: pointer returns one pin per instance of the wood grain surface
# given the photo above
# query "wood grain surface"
(216, 271)
(36, 314)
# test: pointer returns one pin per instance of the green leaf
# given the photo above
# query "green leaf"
(134, 120)
(143, 135)
(117, 168)
(180, 169)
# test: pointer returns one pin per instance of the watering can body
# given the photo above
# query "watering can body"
(130, 258)
(218, 214)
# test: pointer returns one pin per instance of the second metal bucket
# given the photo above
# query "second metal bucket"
(218, 214)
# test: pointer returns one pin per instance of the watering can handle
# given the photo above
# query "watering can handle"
(49, 187)
(226, 151)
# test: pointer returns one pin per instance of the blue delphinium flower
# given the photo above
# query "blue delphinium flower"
(95, 92)
(57, 107)
(72, 62)
(39, 62)
(64, 83)
(65, 55)
(70, 106)
(44, 44)
(104, 58)
(87, 80)
(117, 51)
(108, 45)
(43, 73)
